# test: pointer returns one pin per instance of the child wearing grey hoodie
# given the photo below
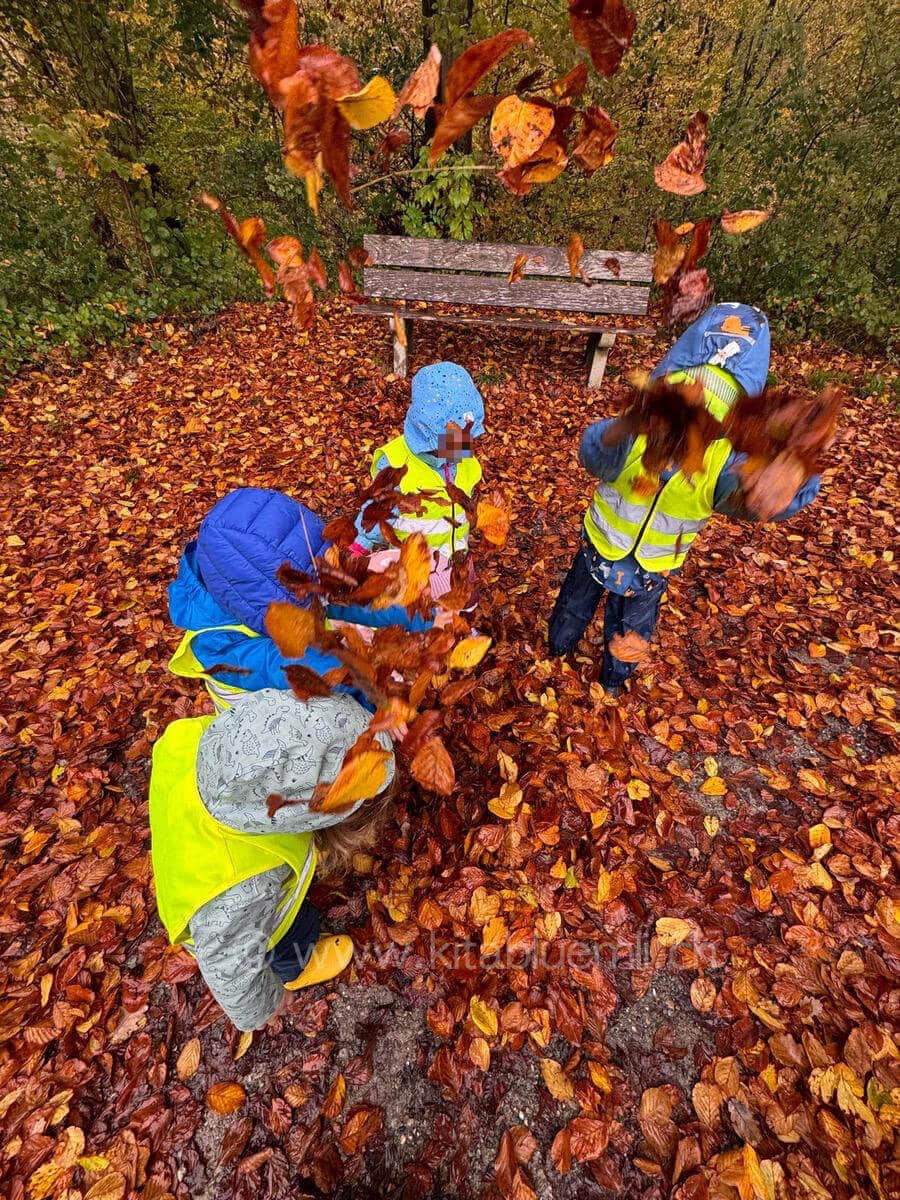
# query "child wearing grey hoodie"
(231, 881)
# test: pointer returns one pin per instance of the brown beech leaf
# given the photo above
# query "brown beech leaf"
(604, 28)
(572, 84)
(421, 88)
(432, 767)
(473, 64)
(521, 261)
(316, 269)
(290, 627)
(393, 140)
(629, 647)
(362, 1124)
(682, 170)
(305, 683)
(188, 1060)
(596, 141)
(457, 119)
(225, 1098)
(334, 1100)
(613, 265)
(588, 1137)
(519, 128)
(249, 236)
(574, 251)
(236, 1137)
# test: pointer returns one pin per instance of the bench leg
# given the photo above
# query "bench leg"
(401, 342)
(599, 347)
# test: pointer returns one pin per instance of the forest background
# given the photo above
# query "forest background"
(113, 116)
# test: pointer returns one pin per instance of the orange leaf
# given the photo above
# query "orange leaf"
(362, 1124)
(290, 627)
(420, 89)
(334, 1100)
(596, 142)
(362, 776)
(574, 251)
(225, 1098)
(474, 63)
(682, 170)
(519, 128)
(745, 220)
(517, 268)
(493, 522)
(457, 119)
(188, 1059)
(629, 647)
(432, 767)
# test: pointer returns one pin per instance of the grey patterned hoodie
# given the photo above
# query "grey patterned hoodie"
(270, 742)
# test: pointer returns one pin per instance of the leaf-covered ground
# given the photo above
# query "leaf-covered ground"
(743, 791)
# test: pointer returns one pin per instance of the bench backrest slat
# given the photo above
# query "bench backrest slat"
(497, 258)
(567, 295)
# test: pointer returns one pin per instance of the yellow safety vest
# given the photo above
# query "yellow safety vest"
(661, 530)
(186, 664)
(195, 857)
(435, 519)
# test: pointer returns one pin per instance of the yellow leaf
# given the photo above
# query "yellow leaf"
(557, 1082)
(600, 1077)
(604, 886)
(46, 985)
(188, 1060)
(754, 1177)
(711, 824)
(468, 653)
(484, 1018)
(360, 778)
(245, 1041)
(519, 128)
(672, 931)
(506, 804)
(570, 880)
(93, 1162)
(819, 835)
(710, 766)
(108, 1187)
(374, 104)
(290, 627)
(493, 522)
(745, 220)
(714, 786)
(637, 789)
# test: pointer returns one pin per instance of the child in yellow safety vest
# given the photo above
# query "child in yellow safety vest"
(231, 880)
(445, 416)
(632, 542)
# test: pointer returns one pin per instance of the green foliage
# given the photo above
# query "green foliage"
(115, 117)
(443, 203)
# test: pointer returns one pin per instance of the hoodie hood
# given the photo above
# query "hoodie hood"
(242, 542)
(441, 392)
(273, 743)
(732, 336)
(190, 604)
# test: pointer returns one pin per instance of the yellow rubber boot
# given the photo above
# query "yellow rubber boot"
(329, 957)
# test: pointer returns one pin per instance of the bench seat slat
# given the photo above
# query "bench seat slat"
(527, 293)
(551, 325)
(497, 258)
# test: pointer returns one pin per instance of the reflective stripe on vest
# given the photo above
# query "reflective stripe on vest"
(186, 665)
(435, 520)
(195, 857)
(660, 531)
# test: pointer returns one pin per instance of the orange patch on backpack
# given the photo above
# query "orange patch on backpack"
(734, 325)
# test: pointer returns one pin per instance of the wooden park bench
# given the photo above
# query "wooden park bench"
(475, 274)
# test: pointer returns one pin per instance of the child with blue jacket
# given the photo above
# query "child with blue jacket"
(632, 542)
(228, 577)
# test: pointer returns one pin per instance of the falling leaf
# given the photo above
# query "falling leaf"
(225, 1098)
(457, 119)
(682, 170)
(290, 627)
(745, 220)
(519, 128)
(362, 776)
(574, 251)
(374, 104)
(517, 268)
(493, 521)
(473, 64)
(468, 653)
(249, 236)
(571, 85)
(596, 141)
(420, 89)
(604, 28)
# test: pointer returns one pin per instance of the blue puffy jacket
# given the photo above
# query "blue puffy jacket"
(228, 576)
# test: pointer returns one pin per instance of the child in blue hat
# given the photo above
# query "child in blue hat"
(445, 416)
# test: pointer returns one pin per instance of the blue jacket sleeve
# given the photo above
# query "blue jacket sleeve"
(603, 462)
(728, 497)
(259, 662)
(359, 615)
